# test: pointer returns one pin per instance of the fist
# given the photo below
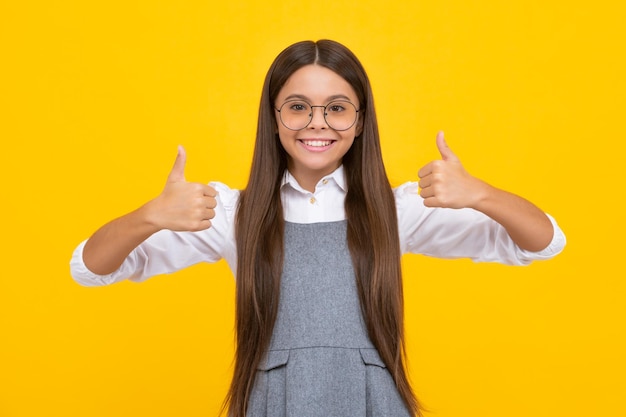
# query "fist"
(183, 206)
(445, 183)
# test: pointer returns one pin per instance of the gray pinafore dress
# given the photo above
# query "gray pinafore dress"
(321, 361)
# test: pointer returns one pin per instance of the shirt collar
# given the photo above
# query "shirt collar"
(337, 176)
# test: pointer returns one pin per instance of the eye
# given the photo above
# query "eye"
(336, 107)
(298, 107)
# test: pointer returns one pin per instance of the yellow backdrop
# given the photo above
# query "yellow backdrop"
(95, 96)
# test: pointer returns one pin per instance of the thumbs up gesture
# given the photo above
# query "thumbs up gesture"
(182, 205)
(445, 183)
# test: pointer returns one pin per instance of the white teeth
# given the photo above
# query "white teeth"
(317, 143)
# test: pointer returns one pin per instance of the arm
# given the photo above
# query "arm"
(445, 183)
(181, 206)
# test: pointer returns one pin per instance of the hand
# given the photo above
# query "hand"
(182, 205)
(445, 183)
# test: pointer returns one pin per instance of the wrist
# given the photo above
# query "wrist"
(484, 196)
(148, 217)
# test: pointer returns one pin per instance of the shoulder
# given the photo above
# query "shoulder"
(407, 193)
(227, 201)
(228, 197)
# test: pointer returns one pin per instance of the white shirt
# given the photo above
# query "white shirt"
(438, 232)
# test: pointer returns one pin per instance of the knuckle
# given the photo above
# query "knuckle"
(197, 187)
(438, 177)
(437, 165)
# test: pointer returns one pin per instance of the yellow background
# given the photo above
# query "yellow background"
(95, 96)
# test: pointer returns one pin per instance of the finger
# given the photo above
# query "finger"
(444, 149)
(210, 202)
(425, 181)
(425, 170)
(202, 221)
(209, 191)
(427, 192)
(201, 225)
(431, 202)
(178, 170)
(208, 214)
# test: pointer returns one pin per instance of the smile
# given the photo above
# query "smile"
(317, 143)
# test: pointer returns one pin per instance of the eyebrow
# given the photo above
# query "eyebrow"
(328, 99)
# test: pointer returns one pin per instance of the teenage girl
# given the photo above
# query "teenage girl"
(315, 241)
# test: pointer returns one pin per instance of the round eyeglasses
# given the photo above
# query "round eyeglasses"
(297, 114)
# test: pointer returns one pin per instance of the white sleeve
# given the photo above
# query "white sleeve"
(464, 233)
(167, 251)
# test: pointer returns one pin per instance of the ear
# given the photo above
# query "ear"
(275, 119)
(359, 125)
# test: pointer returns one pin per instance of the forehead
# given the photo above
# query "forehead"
(317, 84)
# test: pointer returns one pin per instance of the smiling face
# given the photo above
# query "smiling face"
(316, 150)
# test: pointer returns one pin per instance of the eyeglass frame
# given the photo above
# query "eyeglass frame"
(280, 115)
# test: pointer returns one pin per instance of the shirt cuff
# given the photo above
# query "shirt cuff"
(555, 247)
(82, 275)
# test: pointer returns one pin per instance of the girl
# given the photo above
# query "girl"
(315, 241)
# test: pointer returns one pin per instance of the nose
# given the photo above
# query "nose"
(318, 118)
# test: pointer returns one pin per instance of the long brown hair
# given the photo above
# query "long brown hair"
(372, 229)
